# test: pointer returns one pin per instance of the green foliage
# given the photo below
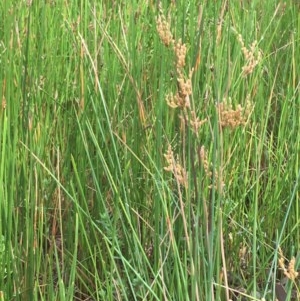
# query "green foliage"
(90, 209)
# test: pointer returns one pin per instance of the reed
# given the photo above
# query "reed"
(149, 151)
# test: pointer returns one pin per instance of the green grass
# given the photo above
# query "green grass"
(87, 209)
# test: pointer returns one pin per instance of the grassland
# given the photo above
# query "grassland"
(149, 152)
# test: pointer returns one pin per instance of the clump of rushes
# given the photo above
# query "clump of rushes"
(205, 168)
(181, 100)
(185, 175)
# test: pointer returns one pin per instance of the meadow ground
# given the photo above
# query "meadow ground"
(149, 151)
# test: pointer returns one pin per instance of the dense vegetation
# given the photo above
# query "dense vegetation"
(149, 151)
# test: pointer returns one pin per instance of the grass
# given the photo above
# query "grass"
(149, 152)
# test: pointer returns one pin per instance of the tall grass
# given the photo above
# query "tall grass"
(149, 151)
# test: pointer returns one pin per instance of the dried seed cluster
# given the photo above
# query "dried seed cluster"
(209, 171)
(180, 53)
(195, 122)
(181, 98)
(253, 56)
(174, 166)
(229, 117)
(290, 271)
(163, 27)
